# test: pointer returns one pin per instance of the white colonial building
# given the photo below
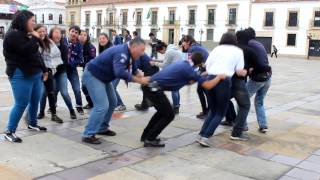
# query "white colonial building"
(206, 20)
(293, 26)
(49, 13)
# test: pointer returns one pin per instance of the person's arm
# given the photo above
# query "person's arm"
(18, 43)
(239, 69)
(93, 52)
(209, 84)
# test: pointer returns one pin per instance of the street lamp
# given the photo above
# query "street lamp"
(200, 32)
(93, 28)
(309, 37)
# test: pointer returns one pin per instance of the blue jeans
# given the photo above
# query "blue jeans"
(73, 76)
(104, 101)
(175, 98)
(260, 89)
(26, 92)
(219, 96)
(115, 84)
(60, 85)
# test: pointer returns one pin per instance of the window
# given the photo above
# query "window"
(192, 17)
(191, 32)
(111, 18)
(316, 22)
(211, 13)
(209, 34)
(293, 19)
(154, 18)
(138, 32)
(87, 30)
(87, 23)
(139, 18)
(60, 19)
(291, 40)
(172, 16)
(42, 18)
(50, 17)
(98, 32)
(232, 16)
(268, 19)
(99, 19)
(72, 20)
(124, 18)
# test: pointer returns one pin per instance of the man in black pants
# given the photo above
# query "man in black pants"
(172, 78)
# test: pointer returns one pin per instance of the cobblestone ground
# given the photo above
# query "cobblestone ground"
(289, 151)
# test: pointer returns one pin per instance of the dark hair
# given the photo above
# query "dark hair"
(76, 28)
(52, 30)
(151, 34)
(20, 20)
(228, 38)
(113, 30)
(105, 35)
(88, 37)
(45, 43)
(189, 39)
(197, 58)
(127, 31)
(161, 45)
(135, 33)
(137, 41)
(251, 33)
(242, 37)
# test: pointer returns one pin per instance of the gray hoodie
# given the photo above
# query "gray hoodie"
(173, 54)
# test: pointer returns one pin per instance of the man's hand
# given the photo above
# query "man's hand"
(222, 76)
(152, 63)
(242, 72)
(35, 34)
(45, 76)
(139, 74)
(144, 80)
(204, 73)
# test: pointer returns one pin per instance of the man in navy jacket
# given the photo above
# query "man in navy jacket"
(116, 38)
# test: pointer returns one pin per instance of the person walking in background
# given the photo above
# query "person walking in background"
(104, 42)
(135, 34)
(126, 36)
(153, 44)
(51, 56)
(75, 59)
(116, 38)
(275, 51)
(25, 70)
(89, 53)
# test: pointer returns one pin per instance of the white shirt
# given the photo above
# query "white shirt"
(225, 59)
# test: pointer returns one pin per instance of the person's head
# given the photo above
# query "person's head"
(242, 37)
(228, 38)
(55, 34)
(42, 30)
(151, 35)
(103, 39)
(135, 34)
(126, 32)
(74, 32)
(23, 21)
(187, 41)
(161, 47)
(251, 33)
(84, 37)
(197, 59)
(114, 32)
(137, 47)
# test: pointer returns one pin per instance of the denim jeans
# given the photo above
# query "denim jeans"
(219, 96)
(175, 98)
(60, 85)
(115, 85)
(203, 96)
(104, 101)
(260, 89)
(26, 92)
(240, 92)
(73, 77)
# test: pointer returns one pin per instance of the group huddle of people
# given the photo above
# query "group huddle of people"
(237, 68)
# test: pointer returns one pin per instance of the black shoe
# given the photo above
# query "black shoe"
(226, 123)
(202, 115)
(263, 130)
(40, 115)
(142, 139)
(73, 114)
(91, 140)
(245, 129)
(37, 128)
(49, 111)
(153, 143)
(80, 110)
(139, 107)
(12, 137)
(241, 137)
(107, 133)
(176, 110)
(56, 119)
(87, 106)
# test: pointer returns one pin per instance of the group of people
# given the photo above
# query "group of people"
(237, 68)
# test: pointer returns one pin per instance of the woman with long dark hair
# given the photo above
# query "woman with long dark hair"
(104, 42)
(51, 56)
(26, 70)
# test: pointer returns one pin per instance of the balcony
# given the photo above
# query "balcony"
(171, 23)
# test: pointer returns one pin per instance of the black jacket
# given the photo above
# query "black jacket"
(64, 56)
(21, 51)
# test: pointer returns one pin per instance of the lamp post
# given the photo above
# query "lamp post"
(309, 37)
(200, 32)
(93, 28)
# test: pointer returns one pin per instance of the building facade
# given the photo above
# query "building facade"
(73, 12)
(292, 26)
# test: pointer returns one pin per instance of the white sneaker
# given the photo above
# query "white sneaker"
(198, 138)
(204, 142)
(120, 108)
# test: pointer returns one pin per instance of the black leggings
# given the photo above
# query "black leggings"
(50, 92)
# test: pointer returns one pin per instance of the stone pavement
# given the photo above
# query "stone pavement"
(289, 151)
